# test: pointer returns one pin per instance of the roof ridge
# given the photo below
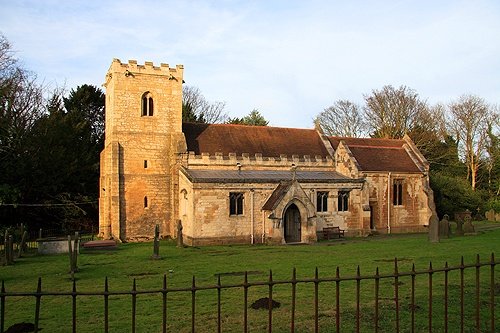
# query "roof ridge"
(244, 125)
(354, 138)
(373, 146)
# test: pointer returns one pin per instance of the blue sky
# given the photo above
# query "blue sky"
(289, 59)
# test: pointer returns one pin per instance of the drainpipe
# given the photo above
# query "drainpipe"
(251, 217)
(389, 203)
(263, 226)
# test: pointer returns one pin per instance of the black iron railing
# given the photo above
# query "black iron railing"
(468, 276)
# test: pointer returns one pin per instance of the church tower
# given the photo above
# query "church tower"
(143, 139)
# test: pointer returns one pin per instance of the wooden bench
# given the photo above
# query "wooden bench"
(329, 232)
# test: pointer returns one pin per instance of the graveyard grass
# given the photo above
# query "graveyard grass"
(133, 261)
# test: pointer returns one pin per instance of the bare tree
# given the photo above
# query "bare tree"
(392, 113)
(196, 108)
(21, 100)
(343, 118)
(470, 117)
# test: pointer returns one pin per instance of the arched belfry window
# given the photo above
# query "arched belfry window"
(147, 105)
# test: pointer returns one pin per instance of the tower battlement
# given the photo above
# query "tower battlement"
(132, 67)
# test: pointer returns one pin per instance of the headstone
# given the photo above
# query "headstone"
(180, 240)
(73, 254)
(468, 227)
(22, 245)
(156, 243)
(444, 227)
(10, 250)
(433, 219)
(460, 230)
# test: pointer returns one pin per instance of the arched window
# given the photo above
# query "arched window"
(147, 105)
(343, 201)
(146, 202)
(397, 192)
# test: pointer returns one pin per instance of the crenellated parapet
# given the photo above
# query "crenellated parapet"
(246, 160)
(132, 68)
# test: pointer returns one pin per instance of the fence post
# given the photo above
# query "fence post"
(294, 289)
(37, 303)
(446, 297)
(134, 305)
(377, 285)
(396, 292)
(193, 306)
(462, 268)
(316, 300)
(73, 313)
(164, 299)
(2, 307)
(478, 296)
(430, 296)
(358, 287)
(413, 276)
(337, 300)
(492, 292)
(245, 303)
(218, 305)
(270, 304)
(106, 306)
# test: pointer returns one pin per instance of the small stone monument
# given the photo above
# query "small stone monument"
(460, 230)
(156, 243)
(73, 254)
(180, 240)
(433, 219)
(468, 227)
(444, 227)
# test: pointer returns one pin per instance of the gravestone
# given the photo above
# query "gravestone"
(433, 219)
(460, 230)
(444, 227)
(468, 227)
(156, 243)
(180, 240)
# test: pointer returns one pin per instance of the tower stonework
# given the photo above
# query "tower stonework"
(143, 139)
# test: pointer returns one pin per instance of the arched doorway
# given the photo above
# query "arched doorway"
(292, 224)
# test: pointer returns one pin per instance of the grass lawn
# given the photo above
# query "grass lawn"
(133, 261)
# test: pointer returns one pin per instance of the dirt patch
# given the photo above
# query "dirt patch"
(263, 303)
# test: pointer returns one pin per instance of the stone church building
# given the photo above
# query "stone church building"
(244, 184)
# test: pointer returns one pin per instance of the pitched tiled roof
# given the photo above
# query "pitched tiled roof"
(276, 196)
(379, 154)
(265, 176)
(368, 142)
(267, 140)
